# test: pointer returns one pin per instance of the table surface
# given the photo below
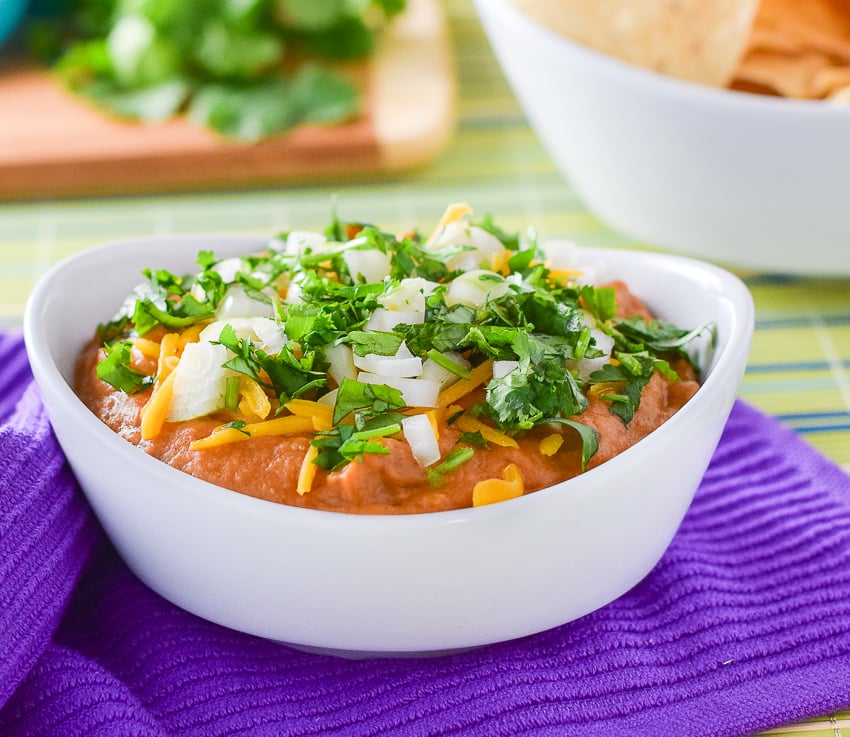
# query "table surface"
(799, 368)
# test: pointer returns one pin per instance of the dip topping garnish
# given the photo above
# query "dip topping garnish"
(356, 336)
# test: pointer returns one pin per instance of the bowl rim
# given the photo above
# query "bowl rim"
(668, 85)
(46, 371)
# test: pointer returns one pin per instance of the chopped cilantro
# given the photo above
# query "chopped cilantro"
(455, 459)
(540, 324)
(378, 343)
(374, 399)
(115, 369)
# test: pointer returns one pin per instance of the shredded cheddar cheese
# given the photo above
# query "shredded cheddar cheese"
(156, 409)
(435, 425)
(490, 434)
(191, 334)
(462, 387)
(148, 348)
(254, 402)
(452, 214)
(307, 474)
(291, 425)
(320, 414)
(551, 444)
(169, 348)
(491, 491)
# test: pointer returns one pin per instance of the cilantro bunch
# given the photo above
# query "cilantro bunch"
(245, 68)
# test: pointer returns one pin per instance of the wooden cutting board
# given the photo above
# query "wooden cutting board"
(53, 144)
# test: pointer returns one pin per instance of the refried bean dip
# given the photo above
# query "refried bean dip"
(363, 372)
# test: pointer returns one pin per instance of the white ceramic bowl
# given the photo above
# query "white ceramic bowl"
(413, 583)
(742, 179)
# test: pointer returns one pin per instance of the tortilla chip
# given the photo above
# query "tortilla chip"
(841, 95)
(799, 48)
(821, 26)
(697, 40)
(788, 75)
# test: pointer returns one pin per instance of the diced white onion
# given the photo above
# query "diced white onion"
(341, 360)
(560, 254)
(199, 382)
(389, 365)
(373, 265)
(475, 288)
(384, 321)
(263, 332)
(414, 392)
(503, 368)
(484, 245)
(229, 268)
(299, 241)
(270, 335)
(294, 290)
(421, 438)
(409, 295)
(329, 398)
(237, 303)
(587, 366)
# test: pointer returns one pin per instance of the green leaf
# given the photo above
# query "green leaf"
(601, 302)
(228, 52)
(115, 369)
(375, 399)
(152, 104)
(589, 438)
(249, 112)
(630, 384)
(456, 458)
(321, 96)
(378, 343)
(350, 38)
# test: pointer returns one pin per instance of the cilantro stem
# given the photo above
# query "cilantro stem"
(453, 460)
(447, 363)
(231, 393)
(378, 432)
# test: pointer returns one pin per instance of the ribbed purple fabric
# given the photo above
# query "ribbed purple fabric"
(743, 625)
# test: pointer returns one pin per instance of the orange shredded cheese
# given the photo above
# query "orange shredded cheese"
(168, 355)
(491, 491)
(320, 414)
(191, 334)
(462, 387)
(499, 262)
(605, 387)
(490, 434)
(434, 421)
(564, 274)
(291, 425)
(219, 436)
(156, 409)
(149, 348)
(254, 402)
(307, 474)
(551, 444)
(452, 214)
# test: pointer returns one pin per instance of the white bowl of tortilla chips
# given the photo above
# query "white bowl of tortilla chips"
(632, 101)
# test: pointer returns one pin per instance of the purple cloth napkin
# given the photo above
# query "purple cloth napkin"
(743, 625)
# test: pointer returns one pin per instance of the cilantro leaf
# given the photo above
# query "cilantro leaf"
(290, 376)
(378, 343)
(116, 371)
(629, 385)
(375, 399)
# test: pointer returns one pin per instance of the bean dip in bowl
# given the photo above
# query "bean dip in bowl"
(494, 563)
